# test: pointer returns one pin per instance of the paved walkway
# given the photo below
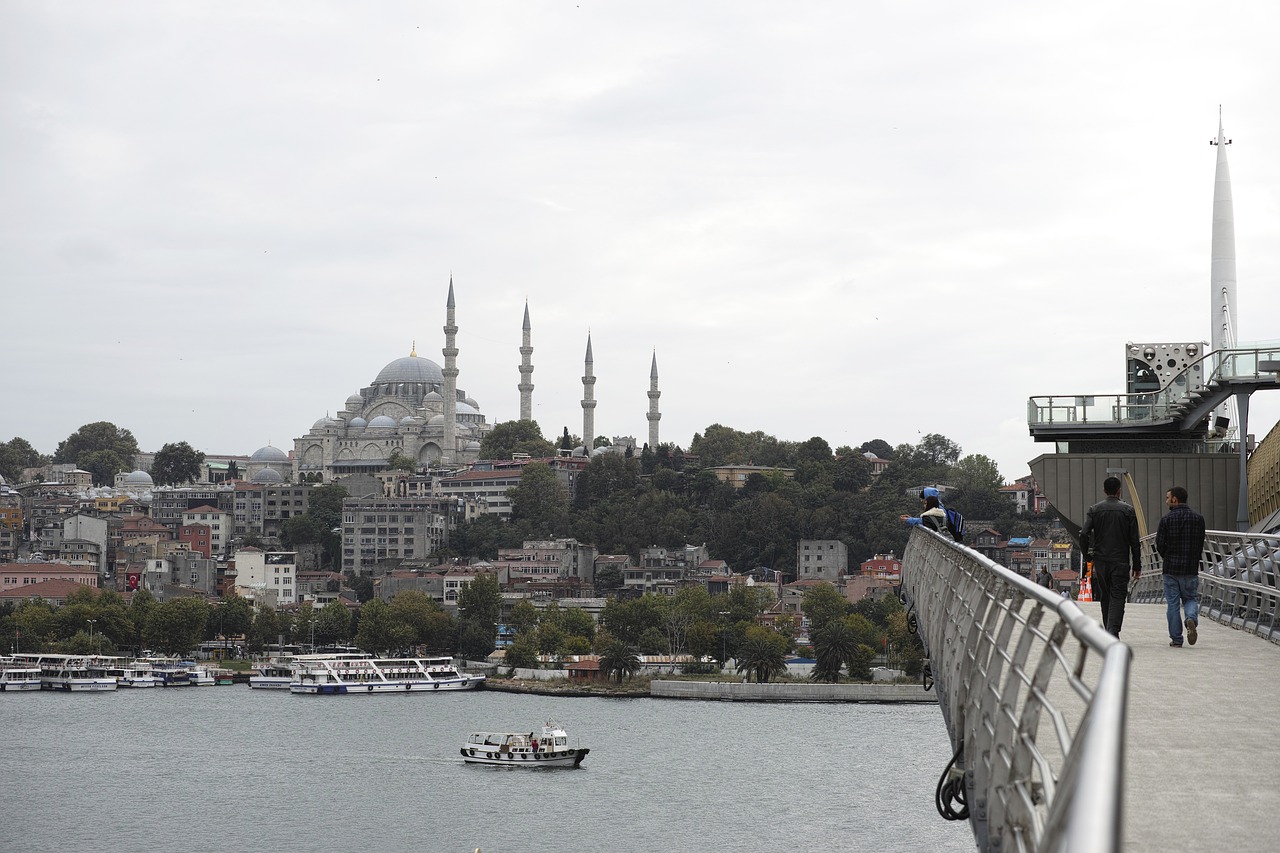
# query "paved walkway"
(1203, 754)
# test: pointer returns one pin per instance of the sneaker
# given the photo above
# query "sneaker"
(1174, 645)
(1191, 631)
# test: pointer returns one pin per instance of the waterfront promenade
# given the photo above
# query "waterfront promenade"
(1203, 743)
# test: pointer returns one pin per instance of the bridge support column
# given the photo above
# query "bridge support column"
(1242, 507)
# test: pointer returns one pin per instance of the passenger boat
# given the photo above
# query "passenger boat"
(136, 674)
(331, 675)
(18, 677)
(199, 674)
(171, 672)
(273, 675)
(74, 673)
(547, 748)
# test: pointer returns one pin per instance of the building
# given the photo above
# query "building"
(379, 533)
(168, 503)
(883, 566)
(823, 559)
(261, 506)
(736, 475)
(17, 575)
(219, 523)
(539, 560)
(271, 572)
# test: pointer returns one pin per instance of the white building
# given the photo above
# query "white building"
(274, 573)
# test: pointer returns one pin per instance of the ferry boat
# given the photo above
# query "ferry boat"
(332, 675)
(548, 748)
(18, 677)
(170, 672)
(199, 674)
(75, 673)
(273, 675)
(136, 674)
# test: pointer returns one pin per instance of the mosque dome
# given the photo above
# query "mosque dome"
(268, 455)
(267, 475)
(137, 479)
(470, 401)
(409, 420)
(473, 445)
(411, 368)
(433, 397)
(358, 421)
(355, 403)
(381, 422)
(436, 420)
(324, 423)
(466, 409)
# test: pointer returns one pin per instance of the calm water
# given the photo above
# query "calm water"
(234, 769)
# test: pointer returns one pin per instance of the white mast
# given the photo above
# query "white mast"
(1222, 271)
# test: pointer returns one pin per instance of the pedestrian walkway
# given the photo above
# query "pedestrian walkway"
(1204, 738)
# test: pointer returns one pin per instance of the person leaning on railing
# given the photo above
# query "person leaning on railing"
(1180, 541)
(1109, 538)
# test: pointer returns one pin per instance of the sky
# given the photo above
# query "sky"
(849, 220)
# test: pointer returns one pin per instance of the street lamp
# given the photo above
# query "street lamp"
(91, 624)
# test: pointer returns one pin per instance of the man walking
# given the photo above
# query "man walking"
(1110, 539)
(1180, 542)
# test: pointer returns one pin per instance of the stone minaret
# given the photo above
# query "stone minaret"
(588, 402)
(450, 449)
(526, 371)
(1222, 269)
(654, 415)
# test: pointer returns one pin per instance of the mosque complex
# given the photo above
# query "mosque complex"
(414, 409)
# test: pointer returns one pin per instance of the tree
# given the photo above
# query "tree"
(176, 627)
(833, 646)
(481, 601)
(380, 631)
(523, 653)
(176, 464)
(102, 464)
(524, 618)
(301, 530)
(763, 654)
(507, 439)
(15, 455)
(333, 623)
(399, 462)
(823, 603)
(618, 658)
(540, 501)
(101, 436)
(417, 610)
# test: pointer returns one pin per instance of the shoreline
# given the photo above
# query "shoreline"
(727, 691)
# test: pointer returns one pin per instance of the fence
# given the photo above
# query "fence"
(1034, 695)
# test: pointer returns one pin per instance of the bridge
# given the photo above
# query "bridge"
(1069, 739)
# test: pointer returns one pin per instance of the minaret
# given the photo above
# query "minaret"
(588, 402)
(1222, 269)
(450, 449)
(654, 415)
(526, 371)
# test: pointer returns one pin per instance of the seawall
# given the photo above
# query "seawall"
(737, 691)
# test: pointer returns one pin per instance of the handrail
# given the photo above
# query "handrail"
(1034, 695)
(1233, 365)
(1238, 580)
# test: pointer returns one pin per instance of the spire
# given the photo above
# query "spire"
(449, 441)
(413, 350)
(526, 369)
(588, 402)
(1222, 269)
(654, 415)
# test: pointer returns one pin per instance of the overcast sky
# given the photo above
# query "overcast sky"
(850, 220)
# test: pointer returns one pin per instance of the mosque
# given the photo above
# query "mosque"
(413, 408)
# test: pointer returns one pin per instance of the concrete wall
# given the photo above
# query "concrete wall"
(737, 691)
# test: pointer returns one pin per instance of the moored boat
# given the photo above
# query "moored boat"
(73, 673)
(273, 675)
(548, 748)
(18, 677)
(137, 674)
(334, 675)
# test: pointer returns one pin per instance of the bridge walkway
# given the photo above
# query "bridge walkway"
(1203, 750)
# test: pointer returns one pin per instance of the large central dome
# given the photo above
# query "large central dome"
(411, 368)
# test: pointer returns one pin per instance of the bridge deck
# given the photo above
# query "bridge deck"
(1204, 738)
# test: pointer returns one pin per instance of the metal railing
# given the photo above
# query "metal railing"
(1238, 580)
(1251, 364)
(1034, 695)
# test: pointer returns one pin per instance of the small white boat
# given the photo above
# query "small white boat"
(199, 674)
(548, 748)
(137, 674)
(330, 675)
(18, 677)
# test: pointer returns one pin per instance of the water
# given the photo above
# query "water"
(234, 769)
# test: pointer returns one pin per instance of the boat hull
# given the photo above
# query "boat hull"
(340, 688)
(80, 685)
(564, 758)
(18, 686)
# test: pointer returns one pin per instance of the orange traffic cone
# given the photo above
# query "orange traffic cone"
(1086, 588)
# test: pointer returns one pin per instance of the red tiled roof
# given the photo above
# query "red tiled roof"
(55, 588)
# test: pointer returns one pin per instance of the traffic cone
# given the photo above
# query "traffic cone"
(1086, 587)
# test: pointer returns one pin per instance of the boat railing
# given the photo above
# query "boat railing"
(1034, 695)
(1239, 580)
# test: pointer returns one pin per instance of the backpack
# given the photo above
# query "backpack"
(955, 524)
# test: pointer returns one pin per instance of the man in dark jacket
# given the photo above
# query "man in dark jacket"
(1110, 539)
(1180, 542)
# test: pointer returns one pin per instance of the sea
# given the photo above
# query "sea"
(234, 769)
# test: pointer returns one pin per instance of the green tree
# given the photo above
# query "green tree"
(823, 603)
(380, 632)
(102, 464)
(234, 616)
(399, 462)
(333, 624)
(362, 585)
(176, 627)
(33, 625)
(511, 437)
(101, 436)
(176, 464)
(523, 653)
(481, 601)
(524, 618)
(15, 455)
(540, 502)
(474, 642)
(833, 646)
(417, 610)
(301, 530)
(763, 654)
(618, 658)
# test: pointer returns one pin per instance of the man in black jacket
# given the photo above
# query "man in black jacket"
(1180, 542)
(1110, 539)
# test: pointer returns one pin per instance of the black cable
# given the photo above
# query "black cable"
(949, 796)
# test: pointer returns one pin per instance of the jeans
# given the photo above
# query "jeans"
(1181, 592)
